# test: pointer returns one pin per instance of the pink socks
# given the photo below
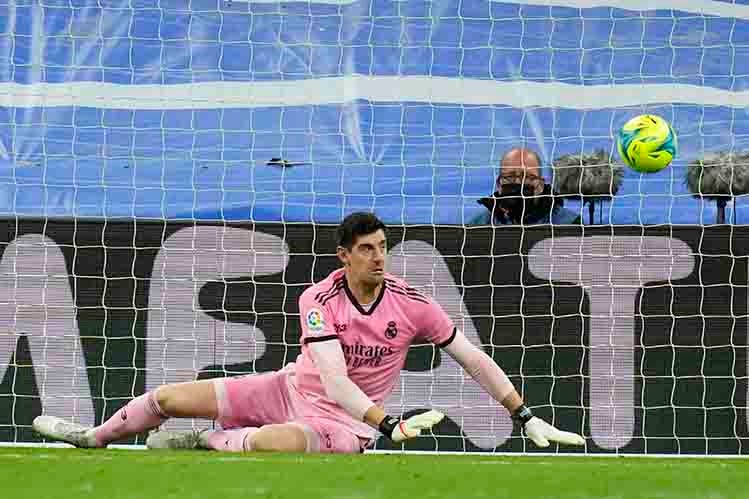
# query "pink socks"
(237, 440)
(140, 414)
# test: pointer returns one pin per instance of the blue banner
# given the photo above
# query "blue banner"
(173, 110)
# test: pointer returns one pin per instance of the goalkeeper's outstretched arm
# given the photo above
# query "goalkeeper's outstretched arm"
(330, 361)
(490, 376)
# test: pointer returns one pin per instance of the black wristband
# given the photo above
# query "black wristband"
(387, 426)
(522, 414)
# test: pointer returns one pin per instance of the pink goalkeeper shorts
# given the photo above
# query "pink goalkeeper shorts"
(256, 400)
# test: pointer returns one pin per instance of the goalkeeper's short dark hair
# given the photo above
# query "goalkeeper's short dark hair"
(357, 224)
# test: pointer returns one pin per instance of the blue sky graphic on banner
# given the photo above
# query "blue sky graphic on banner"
(171, 109)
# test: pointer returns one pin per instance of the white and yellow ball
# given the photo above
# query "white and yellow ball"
(647, 143)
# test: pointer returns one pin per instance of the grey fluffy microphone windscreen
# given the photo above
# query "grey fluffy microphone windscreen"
(589, 177)
(719, 177)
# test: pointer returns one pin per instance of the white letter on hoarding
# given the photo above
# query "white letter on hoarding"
(485, 422)
(611, 270)
(36, 301)
(181, 338)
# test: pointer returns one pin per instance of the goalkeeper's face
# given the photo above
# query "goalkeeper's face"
(366, 259)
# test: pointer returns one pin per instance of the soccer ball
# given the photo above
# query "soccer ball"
(647, 143)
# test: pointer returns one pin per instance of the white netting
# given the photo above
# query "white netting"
(199, 119)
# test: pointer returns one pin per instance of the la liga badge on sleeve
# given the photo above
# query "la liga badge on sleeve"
(315, 322)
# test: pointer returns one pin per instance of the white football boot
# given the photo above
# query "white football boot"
(54, 428)
(163, 439)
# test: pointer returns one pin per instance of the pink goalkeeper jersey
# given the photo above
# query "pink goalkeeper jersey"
(374, 341)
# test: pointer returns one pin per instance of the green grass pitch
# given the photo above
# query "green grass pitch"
(44, 473)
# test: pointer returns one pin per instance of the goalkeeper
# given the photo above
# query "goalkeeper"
(357, 326)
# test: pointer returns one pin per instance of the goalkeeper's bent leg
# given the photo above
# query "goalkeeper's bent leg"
(286, 437)
(321, 436)
(280, 437)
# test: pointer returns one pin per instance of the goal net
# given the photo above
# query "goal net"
(171, 174)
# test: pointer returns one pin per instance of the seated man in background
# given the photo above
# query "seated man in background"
(522, 196)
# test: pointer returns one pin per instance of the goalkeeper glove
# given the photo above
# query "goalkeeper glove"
(398, 430)
(542, 432)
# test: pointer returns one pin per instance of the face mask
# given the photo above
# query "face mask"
(519, 200)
